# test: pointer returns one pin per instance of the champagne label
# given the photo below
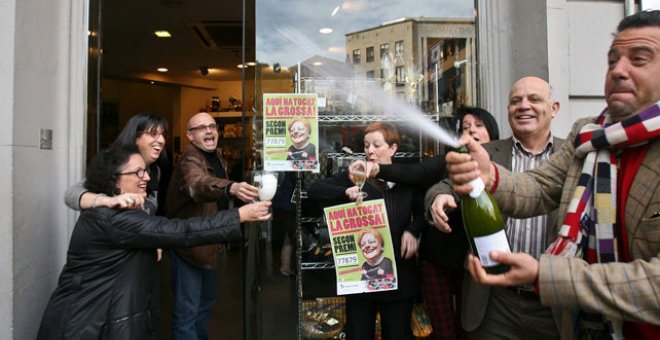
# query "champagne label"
(478, 187)
(485, 244)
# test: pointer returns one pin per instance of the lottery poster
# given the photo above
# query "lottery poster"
(362, 247)
(291, 132)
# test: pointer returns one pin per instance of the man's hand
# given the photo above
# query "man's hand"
(465, 167)
(524, 269)
(440, 204)
(408, 245)
(245, 192)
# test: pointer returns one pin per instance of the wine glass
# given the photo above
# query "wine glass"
(266, 181)
(357, 167)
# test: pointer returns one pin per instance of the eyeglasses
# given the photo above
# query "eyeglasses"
(154, 133)
(139, 173)
(204, 127)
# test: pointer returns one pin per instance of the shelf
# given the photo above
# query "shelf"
(229, 114)
(317, 265)
(311, 219)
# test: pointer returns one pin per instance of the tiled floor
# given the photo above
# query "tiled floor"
(279, 305)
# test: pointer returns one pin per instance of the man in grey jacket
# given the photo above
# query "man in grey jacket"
(514, 312)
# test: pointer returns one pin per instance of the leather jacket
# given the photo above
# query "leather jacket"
(108, 288)
(194, 190)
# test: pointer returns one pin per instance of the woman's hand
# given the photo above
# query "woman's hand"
(122, 201)
(353, 194)
(440, 204)
(408, 245)
(255, 212)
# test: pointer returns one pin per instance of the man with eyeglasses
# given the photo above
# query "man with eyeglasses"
(199, 187)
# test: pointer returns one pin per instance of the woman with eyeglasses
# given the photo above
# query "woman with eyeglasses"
(147, 133)
(108, 286)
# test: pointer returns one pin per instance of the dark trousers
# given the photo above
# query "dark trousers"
(442, 287)
(284, 224)
(394, 319)
(512, 316)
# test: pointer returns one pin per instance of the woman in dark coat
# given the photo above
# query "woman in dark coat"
(404, 206)
(108, 286)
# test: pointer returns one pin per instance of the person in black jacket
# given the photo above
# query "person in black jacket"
(406, 217)
(108, 287)
(442, 254)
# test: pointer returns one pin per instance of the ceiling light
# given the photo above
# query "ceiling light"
(325, 30)
(163, 34)
(251, 63)
(240, 66)
(334, 11)
(152, 82)
(162, 69)
(317, 63)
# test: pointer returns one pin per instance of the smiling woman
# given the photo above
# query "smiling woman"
(144, 133)
(112, 250)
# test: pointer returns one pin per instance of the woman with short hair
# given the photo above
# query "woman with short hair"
(108, 287)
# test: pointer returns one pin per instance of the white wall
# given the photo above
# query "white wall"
(7, 31)
(37, 91)
(566, 43)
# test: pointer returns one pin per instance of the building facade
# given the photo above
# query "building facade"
(422, 60)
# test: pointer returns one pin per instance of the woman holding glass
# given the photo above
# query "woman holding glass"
(404, 204)
(108, 286)
(442, 252)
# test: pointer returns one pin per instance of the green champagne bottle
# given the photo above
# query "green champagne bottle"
(484, 225)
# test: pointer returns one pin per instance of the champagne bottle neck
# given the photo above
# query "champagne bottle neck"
(478, 187)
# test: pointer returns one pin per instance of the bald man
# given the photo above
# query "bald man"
(199, 187)
(513, 312)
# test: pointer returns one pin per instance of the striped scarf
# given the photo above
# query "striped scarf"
(590, 227)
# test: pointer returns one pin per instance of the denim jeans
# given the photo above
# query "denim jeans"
(194, 296)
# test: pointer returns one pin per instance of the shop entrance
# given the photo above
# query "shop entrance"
(205, 65)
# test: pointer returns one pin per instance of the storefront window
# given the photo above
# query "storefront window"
(357, 58)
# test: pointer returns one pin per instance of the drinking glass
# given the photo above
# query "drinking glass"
(266, 181)
(358, 170)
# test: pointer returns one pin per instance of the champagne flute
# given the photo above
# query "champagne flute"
(356, 166)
